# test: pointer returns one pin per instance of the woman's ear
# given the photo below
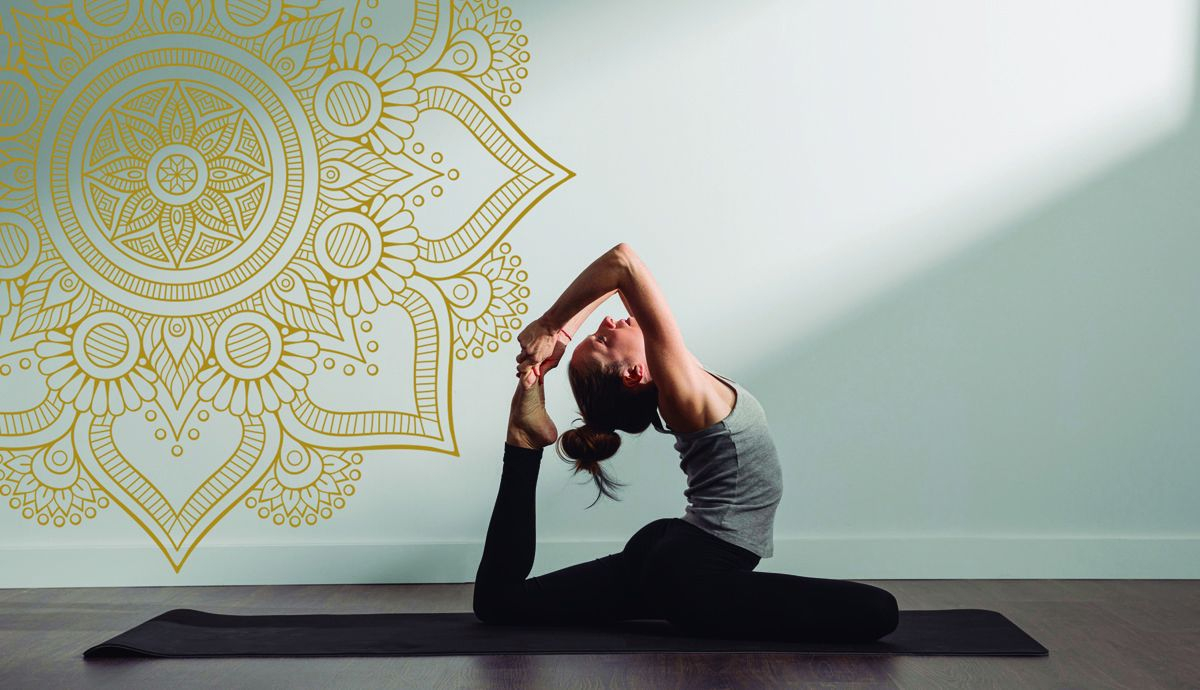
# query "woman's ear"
(633, 375)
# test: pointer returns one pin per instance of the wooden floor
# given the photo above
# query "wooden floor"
(1100, 633)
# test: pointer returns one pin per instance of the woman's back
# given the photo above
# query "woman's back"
(735, 481)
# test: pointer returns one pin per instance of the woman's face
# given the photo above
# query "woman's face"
(614, 341)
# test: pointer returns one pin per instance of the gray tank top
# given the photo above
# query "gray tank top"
(734, 478)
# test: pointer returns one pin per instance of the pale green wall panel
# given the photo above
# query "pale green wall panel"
(950, 247)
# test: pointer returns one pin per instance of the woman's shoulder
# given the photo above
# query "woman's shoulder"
(718, 404)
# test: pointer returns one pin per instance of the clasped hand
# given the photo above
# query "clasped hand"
(542, 346)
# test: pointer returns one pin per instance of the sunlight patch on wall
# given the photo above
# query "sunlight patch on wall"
(837, 148)
(964, 131)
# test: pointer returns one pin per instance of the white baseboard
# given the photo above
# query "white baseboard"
(855, 558)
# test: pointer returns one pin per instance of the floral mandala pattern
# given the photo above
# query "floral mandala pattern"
(242, 244)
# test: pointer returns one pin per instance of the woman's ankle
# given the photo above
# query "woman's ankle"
(520, 439)
(512, 451)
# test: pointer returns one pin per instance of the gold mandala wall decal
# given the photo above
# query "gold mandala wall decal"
(242, 245)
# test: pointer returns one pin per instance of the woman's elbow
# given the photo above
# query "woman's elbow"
(624, 252)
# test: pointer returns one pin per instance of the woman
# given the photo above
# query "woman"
(696, 571)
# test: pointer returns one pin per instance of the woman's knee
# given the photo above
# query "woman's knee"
(486, 605)
(881, 614)
(492, 604)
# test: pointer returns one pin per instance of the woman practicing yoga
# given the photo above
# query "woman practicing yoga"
(696, 571)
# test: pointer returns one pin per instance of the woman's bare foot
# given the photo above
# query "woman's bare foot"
(528, 424)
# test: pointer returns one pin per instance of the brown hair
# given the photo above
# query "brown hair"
(606, 405)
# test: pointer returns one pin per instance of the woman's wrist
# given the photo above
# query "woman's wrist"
(550, 322)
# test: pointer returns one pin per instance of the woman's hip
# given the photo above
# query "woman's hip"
(687, 545)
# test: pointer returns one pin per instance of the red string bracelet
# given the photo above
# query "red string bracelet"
(565, 333)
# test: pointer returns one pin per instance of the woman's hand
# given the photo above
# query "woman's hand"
(537, 340)
(528, 374)
(541, 350)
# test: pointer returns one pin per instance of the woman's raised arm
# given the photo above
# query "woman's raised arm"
(540, 340)
(598, 281)
(683, 385)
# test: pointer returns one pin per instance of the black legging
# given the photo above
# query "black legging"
(670, 569)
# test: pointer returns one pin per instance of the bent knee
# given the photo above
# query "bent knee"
(485, 612)
(496, 615)
(882, 614)
(489, 606)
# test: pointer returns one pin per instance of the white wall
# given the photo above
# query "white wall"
(949, 246)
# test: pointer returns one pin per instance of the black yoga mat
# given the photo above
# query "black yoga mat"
(191, 633)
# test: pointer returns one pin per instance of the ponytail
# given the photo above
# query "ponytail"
(606, 405)
(586, 447)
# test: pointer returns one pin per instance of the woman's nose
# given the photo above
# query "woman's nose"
(610, 322)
